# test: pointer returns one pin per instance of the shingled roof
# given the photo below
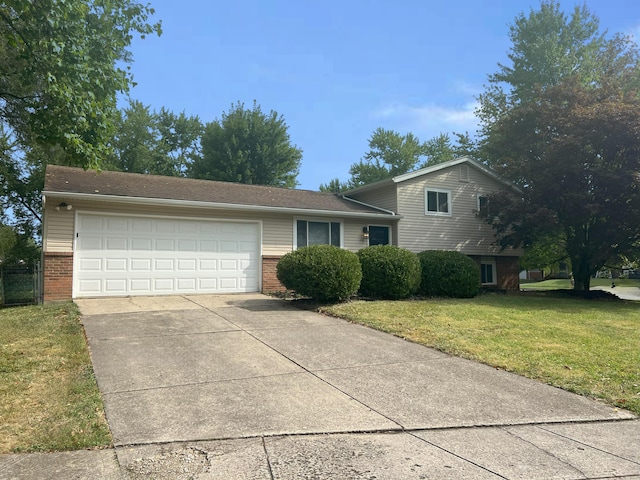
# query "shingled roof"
(71, 181)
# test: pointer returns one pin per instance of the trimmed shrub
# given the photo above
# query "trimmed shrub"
(448, 274)
(322, 272)
(389, 272)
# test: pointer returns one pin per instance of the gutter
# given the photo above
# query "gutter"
(211, 205)
(371, 206)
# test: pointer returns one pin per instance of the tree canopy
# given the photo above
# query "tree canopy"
(391, 154)
(567, 132)
(248, 146)
(60, 72)
(158, 143)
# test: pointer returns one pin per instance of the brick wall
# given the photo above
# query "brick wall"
(508, 273)
(58, 276)
(270, 282)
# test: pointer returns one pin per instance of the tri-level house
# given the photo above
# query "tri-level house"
(123, 234)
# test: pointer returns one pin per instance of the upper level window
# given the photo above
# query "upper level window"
(437, 202)
(483, 201)
(317, 233)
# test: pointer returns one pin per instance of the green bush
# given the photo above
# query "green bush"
(448, 274)
(389, 272)
(322, 272)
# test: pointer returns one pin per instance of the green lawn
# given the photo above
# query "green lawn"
(585, 346)
(49, 399)
(563, 283)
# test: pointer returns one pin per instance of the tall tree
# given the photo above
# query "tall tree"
(248, 146)
(158, 143)
(576, 151)
(391, 154)
(548, 121)
(547, 47)
(335, 185)
(441, 148)
(59, 77)
(7, 241)
(60, 70)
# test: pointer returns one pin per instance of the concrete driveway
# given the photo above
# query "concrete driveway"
(246, 386)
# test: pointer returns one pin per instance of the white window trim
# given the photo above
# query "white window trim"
(315, 219)
(426, 202)
(492, 262)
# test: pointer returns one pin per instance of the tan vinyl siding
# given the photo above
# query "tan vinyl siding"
(58, 230)
(462, 230)
(277, 230)
(385, 197)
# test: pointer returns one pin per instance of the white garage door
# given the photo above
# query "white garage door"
(118, 255)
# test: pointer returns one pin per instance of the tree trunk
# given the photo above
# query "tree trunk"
(581, 273)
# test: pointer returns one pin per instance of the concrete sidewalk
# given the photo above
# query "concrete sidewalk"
(245, 386)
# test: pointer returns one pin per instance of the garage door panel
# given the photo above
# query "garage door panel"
(91, 264)
(208, 246)
(164, 264)
(208, 265)
(141, 265)
(187, 264)
(208, 283)
(163, 285)
(140, 285)
(164, 244)
(116, 285)
(187, 246)
(116, 265)
(165, 226)
(143, 244)
(146, 256)
(89, 243)
(141, 225)
(115, 243)
(90, 287)
(90, 223)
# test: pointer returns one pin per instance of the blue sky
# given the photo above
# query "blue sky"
(337, 70)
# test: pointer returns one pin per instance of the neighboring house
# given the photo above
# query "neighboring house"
(121, 234)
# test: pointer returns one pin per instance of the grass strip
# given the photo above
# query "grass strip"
(49, 398)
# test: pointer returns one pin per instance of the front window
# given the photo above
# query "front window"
(437, 202)
(378, 235)
(488, 272)
(317, 233)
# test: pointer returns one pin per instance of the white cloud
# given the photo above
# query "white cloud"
(426, 120)
(431, 119)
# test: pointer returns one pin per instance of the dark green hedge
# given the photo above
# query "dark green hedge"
(389, 272)
(448, 274)
(322, 272)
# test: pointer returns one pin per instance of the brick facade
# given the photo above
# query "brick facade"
(58, 276)
(507, 272)
(270, 282)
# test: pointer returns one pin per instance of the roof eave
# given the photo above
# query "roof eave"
(212, 205)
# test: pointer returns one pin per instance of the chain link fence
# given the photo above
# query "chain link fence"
(20, 285)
